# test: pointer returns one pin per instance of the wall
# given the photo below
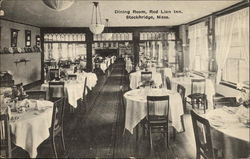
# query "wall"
(5, 33)
(26, 73)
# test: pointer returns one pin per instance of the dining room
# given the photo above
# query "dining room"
(124, 79)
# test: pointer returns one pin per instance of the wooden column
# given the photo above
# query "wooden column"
(136, 40)
(89, 42)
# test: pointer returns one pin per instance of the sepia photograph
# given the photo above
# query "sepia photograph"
(124, 79)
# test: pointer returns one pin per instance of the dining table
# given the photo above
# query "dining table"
(30, 126)
(136, 106)
(73, 90)
(135, 79)
(230, 130)
(186, 82)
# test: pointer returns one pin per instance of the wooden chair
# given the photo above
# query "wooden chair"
(198, 97)
(82, 102)
(181, 90)
(57, 124)
(52, 87)
(5, 136)
(157, 123)
(168, 83)
(123, 107)
(54, 74)
(72, 77)
(36, 94)
(202, 134)
(146, 77)
(224, 101)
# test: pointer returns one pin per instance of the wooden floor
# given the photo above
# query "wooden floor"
(99, 132)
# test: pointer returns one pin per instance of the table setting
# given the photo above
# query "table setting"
(230, 129)
(30, 121)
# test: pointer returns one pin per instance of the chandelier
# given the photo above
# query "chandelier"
(108, 34)
(58, 5)
(95, 27)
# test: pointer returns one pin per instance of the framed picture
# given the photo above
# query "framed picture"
(27, 38)
(14, 35)
(38, 41)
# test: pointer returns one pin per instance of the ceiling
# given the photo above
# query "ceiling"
(79, 14)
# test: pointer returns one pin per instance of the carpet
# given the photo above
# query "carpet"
(94, 134)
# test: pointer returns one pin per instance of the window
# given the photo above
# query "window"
(198, 47)
(236, 69)
(232, 47)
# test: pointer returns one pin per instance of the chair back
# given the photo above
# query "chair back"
(56, 90)
(168, 83)
(202, 136)
(157, 106)
(182, 91)
(5, 136)
(72, 77)
(85, 88)
(57, 115)
(53, 74)
(36, 94)
(198, 86)
(146, 76)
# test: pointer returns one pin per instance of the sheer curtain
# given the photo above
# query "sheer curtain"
(64, 51)
(224, 26)
(198, 47)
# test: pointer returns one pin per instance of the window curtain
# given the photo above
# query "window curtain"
(224, 32)
(197, 35)
(64, 51)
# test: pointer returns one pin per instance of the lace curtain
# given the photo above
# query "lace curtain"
(224, 30)
(198, 47)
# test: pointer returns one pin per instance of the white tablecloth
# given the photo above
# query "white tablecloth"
(136, 107)
(72, 89)
(186, 82)
(32, 127)
(228, 133)
(135, 79)
(91, 78)
(103, 66)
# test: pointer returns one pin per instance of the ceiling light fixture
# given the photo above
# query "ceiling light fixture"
(58, 5)
(1, 11)
(96, 27)
(108, 34)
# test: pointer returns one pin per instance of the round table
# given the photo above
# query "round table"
(135, 79)
(136, 106)
(228, 134)
(31, 128)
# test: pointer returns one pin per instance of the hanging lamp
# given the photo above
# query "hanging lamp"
(58, 5)
(107, 34)
(96, 27)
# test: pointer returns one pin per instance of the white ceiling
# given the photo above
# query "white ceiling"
(79, 14)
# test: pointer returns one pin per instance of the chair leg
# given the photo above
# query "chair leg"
(54, 146)
(150, 139)
(137, 132)
(62, 140)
